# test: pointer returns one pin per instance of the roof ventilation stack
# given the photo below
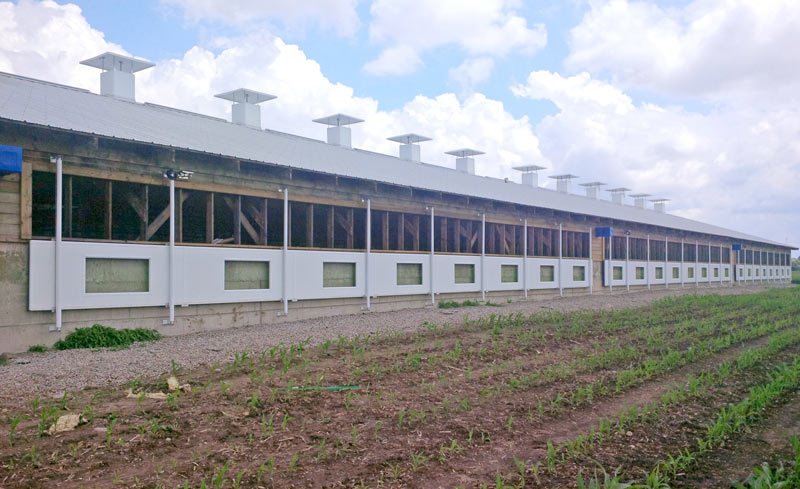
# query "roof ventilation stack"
(409, 146)
(117, 79)
(660, 205)
(592, 188)
(245, 112)
(562, 182)
(639, 200)
(338, 132)
(530, 174)
(464, 159)
(618, 194)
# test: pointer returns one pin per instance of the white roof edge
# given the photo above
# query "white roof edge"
(42, 103)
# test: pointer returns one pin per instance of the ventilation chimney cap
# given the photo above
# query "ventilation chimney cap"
(112, 61)
(618, 190)
(117, 79)
(528, 168)
(592, 184)
(659, 201)
(409, 138)
(245, 96)
(566, 176)
(338, 120)
(464, 152)
(639, 196)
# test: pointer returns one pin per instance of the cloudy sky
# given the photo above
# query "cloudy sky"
(696, 101)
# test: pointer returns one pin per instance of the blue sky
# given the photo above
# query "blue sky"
(694, 100)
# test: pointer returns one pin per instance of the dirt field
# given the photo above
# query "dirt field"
(505, 400)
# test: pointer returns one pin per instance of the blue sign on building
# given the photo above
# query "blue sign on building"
(10, 159)
(603, 232)
(736, 247)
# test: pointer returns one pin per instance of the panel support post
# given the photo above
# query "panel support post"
(666, 261)
(697, 264)
(648, 261)
(57, 259)
(171, 251)
(430, 265)
(525, 258)
(627, 261)
(560, 259)
(367, 252)
(591, 265)
(483, 255)
(285, 253)
(682, 270)
(609, 268)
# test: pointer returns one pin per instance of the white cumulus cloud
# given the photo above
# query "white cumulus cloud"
(479, 27)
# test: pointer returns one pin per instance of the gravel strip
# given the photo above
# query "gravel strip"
(51, 373)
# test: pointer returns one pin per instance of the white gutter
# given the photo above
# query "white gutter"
(59, 231)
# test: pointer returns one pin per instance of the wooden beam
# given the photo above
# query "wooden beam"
(264, 221)
(109, 209)
(157, 223)
(210, 217)
(26, 201)
(416, 231)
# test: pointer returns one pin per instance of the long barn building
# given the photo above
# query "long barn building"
(183, 222)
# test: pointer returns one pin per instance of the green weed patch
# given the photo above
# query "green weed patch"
(102, 337)
(455, 304)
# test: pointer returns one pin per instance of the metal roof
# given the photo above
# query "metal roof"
(42, 103)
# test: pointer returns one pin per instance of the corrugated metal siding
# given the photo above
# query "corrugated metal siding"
(26, 100)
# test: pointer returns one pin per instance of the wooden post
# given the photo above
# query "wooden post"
(179, 216)
(415, 222)
(331, 228)
(237, 220)
(264, 218)
(457, 235)
(385, 230)
(350, 225)
(108, 223)
(209, 218)
(310, 225)
(401, 232)
(26, 201)
(68, 206)
(443, 234)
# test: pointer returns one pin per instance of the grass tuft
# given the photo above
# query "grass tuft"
(38, 349)
(102, 336)
(455, 304)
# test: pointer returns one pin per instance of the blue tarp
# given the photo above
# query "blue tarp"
(10, 159)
